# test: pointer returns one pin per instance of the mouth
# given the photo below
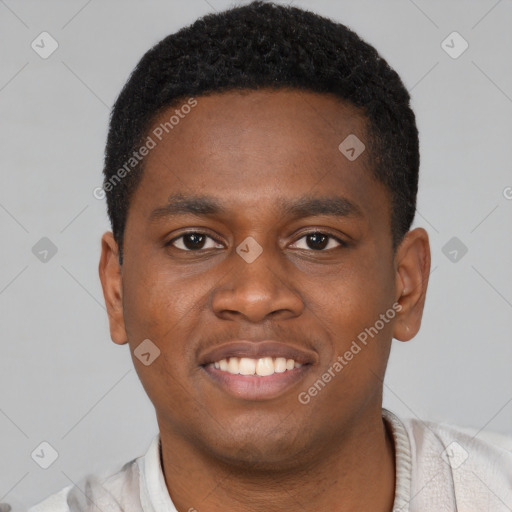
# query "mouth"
(257, 371)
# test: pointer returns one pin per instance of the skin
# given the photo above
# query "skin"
(253, 151)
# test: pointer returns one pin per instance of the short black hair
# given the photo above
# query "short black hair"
(265, 45)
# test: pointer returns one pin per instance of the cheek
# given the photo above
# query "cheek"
(165, 307)
(161, 308)
(350, 307)
(352, 369)
(156, 303)
(355, 296)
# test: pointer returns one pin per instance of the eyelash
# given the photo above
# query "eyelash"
(314, 232)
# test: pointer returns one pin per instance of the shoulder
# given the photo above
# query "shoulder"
(472, 468)
(54, 503)
(461, 447)
(117, 492)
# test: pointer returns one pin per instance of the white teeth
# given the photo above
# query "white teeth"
(246, 366)
(233, 365)
(280, 365)
(261, 367)
(265, 366)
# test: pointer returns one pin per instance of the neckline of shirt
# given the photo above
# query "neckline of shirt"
(155, 496)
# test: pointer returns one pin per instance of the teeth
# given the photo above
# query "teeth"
(246, 366)
(265, 367)
(233, 365)
(261, 367)
(280, 365)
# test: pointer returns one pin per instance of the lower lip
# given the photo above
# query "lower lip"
(253, 387)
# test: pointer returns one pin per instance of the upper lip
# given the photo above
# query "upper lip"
(257, 350)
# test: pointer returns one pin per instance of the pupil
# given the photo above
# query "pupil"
(319, 240)
(195, 237)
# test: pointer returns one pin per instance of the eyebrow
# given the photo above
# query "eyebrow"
(305, 206)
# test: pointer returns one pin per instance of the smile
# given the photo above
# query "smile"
(256, 379)
(262, 367)
(259, 370)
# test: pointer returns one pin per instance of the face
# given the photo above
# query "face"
(252, 236)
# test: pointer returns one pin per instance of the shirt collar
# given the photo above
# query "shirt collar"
(155, 496)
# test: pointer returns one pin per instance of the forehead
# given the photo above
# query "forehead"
(250, 147)
(235, 124)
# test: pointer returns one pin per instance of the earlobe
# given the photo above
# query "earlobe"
(111, 283)
(412, 266)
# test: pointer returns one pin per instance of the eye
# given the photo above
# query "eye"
(319, 241)
(193, 241)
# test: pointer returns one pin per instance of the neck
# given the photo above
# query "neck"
(356, 472)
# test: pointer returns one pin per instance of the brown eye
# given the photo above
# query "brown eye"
(319, 241)
(193, 241)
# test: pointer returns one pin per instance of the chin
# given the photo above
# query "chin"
(259, 453)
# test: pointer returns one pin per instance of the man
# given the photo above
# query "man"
(261, 175)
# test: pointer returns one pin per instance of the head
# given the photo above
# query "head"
(261, 173)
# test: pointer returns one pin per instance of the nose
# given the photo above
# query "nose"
(257, 290)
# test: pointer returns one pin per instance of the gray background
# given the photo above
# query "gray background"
(61, 378)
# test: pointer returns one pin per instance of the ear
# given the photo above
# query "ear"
(112, 284)
(412, 266)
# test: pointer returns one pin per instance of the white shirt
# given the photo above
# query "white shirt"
(439, 468)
